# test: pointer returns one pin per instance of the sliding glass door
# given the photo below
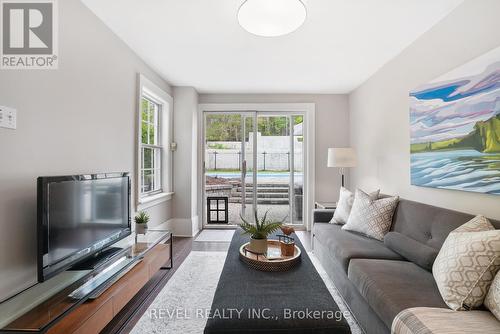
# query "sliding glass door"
(253, 161)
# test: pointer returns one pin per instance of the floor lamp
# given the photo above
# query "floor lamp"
(341, 158)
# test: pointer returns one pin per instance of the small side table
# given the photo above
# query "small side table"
(325, 205)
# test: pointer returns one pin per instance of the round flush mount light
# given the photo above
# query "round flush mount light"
(271, 18)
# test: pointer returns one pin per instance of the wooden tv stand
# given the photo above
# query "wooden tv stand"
(61, 314)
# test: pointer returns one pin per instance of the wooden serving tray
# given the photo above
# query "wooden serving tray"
(264, 263)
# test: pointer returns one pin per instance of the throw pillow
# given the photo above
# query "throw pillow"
(467, 263)
(492, 301)
(371, 217)
(344, 206)
(412, 250)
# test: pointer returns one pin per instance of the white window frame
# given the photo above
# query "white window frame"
(150, 91)
(157, 146)
(308, 109)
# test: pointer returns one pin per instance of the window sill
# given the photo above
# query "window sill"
(149, 201)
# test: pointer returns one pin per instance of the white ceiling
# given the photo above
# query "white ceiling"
(199, 43)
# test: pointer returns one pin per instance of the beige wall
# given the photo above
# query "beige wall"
(331, 129)
(77, 119)
(379, 120)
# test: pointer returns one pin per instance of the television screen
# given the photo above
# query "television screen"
(80, 216)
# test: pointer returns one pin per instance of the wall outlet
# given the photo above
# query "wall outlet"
(8, 118)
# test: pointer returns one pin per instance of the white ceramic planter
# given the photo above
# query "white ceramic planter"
(258, 245)
(141, 228)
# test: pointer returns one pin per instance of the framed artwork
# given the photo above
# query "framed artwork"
(455, 128)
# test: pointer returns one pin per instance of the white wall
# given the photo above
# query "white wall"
(331, 129)
(379, 120)
(80, 118)
(276, 149)
(185, 199)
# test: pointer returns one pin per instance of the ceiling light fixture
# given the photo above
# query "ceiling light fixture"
(271, 18)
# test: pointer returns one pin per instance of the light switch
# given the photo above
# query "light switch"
(8, 118)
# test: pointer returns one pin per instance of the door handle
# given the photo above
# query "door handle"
(244, 168)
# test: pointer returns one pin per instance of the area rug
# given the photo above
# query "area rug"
(183, 304)
(355, 329)
(180, 306)
(215, 236)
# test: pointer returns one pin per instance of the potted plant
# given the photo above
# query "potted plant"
(259, 232)
(141, 222)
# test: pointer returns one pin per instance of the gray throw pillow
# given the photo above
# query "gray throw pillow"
(370, 217)
(344, 205)
(412, 250)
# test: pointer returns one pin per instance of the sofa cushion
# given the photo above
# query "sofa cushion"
(412, 250)
(371, 217)
(444, 321)
(390, 286)
(345, 245)
(428, 224)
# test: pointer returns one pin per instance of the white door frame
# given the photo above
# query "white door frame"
(308, 109)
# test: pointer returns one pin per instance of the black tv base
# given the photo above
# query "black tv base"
(98, 259)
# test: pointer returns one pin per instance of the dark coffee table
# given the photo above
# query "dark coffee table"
(251, 301)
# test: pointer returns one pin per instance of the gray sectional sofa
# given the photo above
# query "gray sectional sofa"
(377, 282)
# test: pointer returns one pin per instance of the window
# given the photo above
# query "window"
(151, 147)
(154, 157)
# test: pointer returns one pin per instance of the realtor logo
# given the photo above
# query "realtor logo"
(28, 34)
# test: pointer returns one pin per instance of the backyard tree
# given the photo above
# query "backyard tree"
(227, 127)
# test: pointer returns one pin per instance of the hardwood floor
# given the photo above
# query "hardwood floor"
(125, 321)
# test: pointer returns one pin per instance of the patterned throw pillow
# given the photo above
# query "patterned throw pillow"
(492, 301)
(372, 217)
(344, 206)
(467, 264)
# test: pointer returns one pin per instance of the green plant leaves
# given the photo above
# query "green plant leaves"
(141, 218)
(262, 228)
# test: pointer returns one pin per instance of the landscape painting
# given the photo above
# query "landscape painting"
(455, 128)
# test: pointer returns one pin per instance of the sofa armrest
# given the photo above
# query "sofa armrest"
(323, 215)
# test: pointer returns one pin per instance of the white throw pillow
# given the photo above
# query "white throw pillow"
(344, 205)
(467, 264)
(372, 217)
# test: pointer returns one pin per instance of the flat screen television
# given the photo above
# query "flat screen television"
(78, 216)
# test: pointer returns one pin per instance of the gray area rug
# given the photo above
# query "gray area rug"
(215, 236)
(184, 302)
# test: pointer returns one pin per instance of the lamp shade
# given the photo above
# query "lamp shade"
(341, 157)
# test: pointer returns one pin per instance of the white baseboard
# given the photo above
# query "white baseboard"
(195, 225)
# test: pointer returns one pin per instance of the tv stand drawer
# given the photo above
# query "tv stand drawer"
(98, 320)
(93, 315)
(136, 279)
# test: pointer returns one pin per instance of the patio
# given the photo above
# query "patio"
(272, 196)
